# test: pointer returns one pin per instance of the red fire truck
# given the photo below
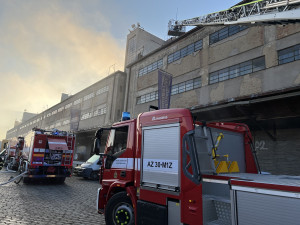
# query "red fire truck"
(10, 154)
(46, 154)
(165, 168)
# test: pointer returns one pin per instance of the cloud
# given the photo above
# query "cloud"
(46, 50)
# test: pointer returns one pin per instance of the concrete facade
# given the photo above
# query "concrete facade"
(254, 42)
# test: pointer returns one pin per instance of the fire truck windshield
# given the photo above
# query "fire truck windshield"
(116, 144)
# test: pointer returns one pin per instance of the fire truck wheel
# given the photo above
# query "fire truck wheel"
(119, 210)
(60, 180)
(26, 180)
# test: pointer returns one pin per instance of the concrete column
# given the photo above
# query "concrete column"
(269, 49)
(204, 72)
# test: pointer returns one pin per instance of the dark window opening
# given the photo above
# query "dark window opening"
(241, 69)
(225, 33)
(289, 54)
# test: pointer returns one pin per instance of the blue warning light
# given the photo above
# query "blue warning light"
(125, 116)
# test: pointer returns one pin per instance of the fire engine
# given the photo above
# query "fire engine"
(10, 154)
(45, 154)
(166, 168)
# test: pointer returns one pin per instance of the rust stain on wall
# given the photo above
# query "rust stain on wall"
(286, 30)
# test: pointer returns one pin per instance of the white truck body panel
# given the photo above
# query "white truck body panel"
(160, 156)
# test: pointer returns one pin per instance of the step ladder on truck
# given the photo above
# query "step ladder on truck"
(164, 168)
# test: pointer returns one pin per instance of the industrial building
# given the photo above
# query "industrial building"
(236, 73)
(96, 106)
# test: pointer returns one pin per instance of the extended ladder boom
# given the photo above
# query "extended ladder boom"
(260, 11)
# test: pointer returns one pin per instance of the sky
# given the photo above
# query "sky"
(49, 47)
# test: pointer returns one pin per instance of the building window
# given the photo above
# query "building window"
(86, 116)
(60, 109)
(147, 97)
(78, 101)
(68, 105)
(89, 96)
(198, 45)
(241, 69)
(186, 86)
(185, 51)
(176, 89)
(153, 66)
(225, 33)
(100, 111)
(289, 54)
(102, 90)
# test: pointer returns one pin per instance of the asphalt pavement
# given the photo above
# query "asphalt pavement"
(73, 202)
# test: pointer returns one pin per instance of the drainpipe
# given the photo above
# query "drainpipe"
(127, 90)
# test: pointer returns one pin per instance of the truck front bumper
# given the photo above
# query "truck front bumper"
(45, 176)
(43, 172)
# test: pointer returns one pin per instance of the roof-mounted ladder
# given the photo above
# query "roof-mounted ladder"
(260, 11)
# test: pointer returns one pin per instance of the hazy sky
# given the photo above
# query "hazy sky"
(49, 47)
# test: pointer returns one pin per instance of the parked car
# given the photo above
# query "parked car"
(89, 169)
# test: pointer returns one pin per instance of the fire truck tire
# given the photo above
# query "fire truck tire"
(26, 180)
(119, 210)
(60, 180)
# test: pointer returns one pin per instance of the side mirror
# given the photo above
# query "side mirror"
(102, 155)
(99, 162)
(96, 149)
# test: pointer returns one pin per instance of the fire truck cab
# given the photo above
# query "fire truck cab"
(164, 168)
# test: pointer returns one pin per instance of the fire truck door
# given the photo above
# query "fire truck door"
(117, 157)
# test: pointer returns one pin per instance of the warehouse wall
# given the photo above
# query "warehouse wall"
(280, 156)
(246, 45)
